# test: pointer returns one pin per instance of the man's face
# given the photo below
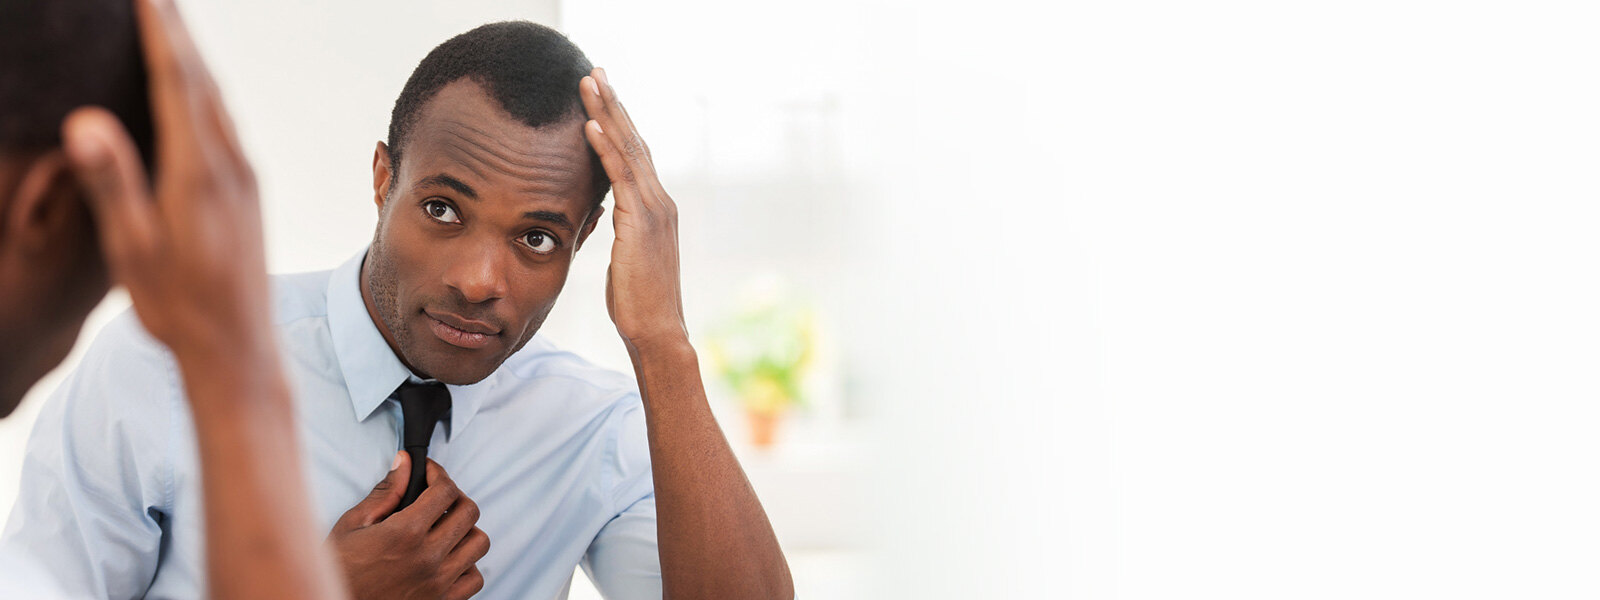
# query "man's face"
(475, 234)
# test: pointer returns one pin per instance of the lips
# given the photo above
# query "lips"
(459, 332)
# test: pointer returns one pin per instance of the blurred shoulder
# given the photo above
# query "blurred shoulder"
(124, 347)
(297, 296)
(125, 342)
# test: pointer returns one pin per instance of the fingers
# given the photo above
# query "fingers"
(183, 97)
(107, 165)
(456, 524)
(468, 584)
(625, 134)
(383, 498)
(624, 188)
(472, 548)
(441, 494)
(611, 119)
(600, 100)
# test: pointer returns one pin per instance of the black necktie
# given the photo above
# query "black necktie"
(422, 405)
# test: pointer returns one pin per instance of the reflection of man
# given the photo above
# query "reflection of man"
(488, 186)
(188, 249)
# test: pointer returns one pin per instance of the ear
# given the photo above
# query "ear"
(381, 175)
(43, 204)
(588, 225)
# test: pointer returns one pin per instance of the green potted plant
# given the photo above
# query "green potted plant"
(762, 353)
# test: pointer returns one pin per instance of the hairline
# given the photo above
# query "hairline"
(577, 114)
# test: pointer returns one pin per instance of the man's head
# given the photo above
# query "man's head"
(55, 56)
(485, 190)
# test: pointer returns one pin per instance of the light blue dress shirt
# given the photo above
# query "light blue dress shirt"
(23, 577)
(551, 447)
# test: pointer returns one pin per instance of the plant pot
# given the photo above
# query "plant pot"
(763, 428)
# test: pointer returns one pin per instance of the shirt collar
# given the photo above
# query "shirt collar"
(371, 370)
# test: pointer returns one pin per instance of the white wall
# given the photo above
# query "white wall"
(1270, 300)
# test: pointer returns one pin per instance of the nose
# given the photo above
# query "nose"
(478, 274)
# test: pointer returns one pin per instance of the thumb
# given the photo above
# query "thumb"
(107, 165)
(385, 497)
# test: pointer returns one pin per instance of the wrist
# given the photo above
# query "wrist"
(246, 368)
(221, 342)
(664, 345)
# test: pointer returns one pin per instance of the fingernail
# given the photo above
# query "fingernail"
(594, 86)
(597, 127)
(396, 464)
(603, 78)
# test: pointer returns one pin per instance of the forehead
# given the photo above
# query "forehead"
(464, 132)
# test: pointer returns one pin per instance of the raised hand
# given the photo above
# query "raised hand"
(643, 288)
(189, 247)
(707, 514)
(430, 550)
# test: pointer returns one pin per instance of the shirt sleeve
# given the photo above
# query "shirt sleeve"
(96, 477)
(622, 561)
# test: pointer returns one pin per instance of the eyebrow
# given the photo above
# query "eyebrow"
(442, 180)
(550, 216)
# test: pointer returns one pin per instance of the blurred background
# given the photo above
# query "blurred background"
(1143, 299)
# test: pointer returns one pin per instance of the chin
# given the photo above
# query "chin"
(463, 377)
(456, 366)
(457, 370)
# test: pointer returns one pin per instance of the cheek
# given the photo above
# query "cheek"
(538, 291)
(408, 254)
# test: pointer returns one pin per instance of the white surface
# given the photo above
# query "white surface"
(825, 575)
(1254, 300)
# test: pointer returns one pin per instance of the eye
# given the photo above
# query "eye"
(541, 242)
(440, 211)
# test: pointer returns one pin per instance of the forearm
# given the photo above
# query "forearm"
(260, 541)
(714, 538)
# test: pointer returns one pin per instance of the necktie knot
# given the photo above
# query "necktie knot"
(422, 405)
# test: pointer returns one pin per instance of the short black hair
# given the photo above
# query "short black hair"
(58, 55)
(531, 70)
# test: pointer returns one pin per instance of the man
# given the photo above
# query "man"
(188, 249)
(486, 188)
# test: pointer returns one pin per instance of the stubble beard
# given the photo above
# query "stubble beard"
(383, 284)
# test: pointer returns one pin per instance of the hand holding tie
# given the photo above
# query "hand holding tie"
(428, 550)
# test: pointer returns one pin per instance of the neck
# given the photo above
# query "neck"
(12, 389)
(22, 365)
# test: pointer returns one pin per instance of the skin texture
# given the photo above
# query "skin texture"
(50, 268)
(475, 232)
(488, 252)
(441, 249)
(429, 550)
(706, 511)
(188, 247)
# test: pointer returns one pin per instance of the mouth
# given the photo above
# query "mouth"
(459, 332)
